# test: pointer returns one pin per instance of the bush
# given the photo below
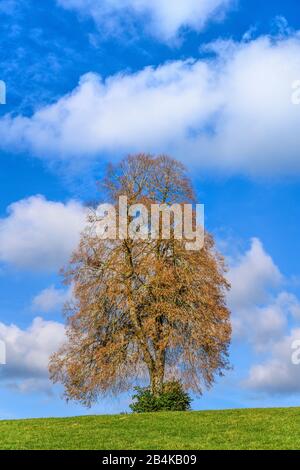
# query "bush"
(172, 398)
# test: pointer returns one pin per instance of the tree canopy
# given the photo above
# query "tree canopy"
(143, 309)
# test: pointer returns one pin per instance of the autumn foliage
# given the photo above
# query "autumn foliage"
(143, 309)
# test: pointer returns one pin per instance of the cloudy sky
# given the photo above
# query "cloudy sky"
(208, 81)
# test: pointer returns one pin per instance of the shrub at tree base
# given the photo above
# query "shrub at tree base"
(172, 398)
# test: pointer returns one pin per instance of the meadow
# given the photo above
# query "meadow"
(231, 429)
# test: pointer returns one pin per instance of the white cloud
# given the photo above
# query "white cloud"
(139, 111)
(258, 309)
(278, 375)
(162, 18)
(39, 234)
(264, 326)
(28, 386)
(27, 353)
(51, 299)
(265, 317)
(231, 113)
(251, 275)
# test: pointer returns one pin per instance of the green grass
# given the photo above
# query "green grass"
(234, 429)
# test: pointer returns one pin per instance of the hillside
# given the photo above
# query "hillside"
(234, 429)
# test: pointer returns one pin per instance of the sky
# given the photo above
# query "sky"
(209, 82)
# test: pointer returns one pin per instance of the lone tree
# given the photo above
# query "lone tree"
(143, 307)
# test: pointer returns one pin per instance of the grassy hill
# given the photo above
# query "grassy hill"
(236, 429)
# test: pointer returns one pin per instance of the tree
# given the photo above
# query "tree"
(143, 307)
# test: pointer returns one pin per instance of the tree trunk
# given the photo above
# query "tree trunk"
(157, 375)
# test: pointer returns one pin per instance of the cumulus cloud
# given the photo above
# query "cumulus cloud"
(258, 307)
(40, 235)
(251, 275)
(265, 317)
(232, 112)
(264, 326)
(163, 19)
(145, 110)
(278, 375)
(27, 353)
(51, 299)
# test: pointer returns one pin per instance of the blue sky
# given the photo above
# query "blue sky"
(210, 83)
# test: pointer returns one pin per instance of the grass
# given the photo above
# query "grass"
(233, 429)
